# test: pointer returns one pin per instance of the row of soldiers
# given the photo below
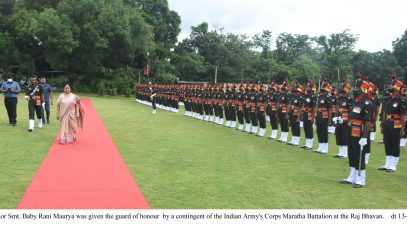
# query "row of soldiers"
(353, 119)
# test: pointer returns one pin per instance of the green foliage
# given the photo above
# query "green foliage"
(336, 52)
(400, 52)
(121, 83)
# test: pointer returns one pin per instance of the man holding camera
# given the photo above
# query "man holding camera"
(11, 89)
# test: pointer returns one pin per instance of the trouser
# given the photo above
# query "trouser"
(283, 121)
(308, 130)
(273, 120)
(341, 134)
(295, 126)
(153, 103)
(247, 115)
(261, 116)
(232, 114)
(322, 130)
(240, 117)
(210, 109)
(34, 109)
(227, 113)
(47, 112)
(11, 105)
(354, 154)
(220, 112)
(391, 139)
(253, 117)
(405, 130)
(187, 106)
(206, 109)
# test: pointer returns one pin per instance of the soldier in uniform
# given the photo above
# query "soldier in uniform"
(272, 109)
(334, 109)
(232, 106)
(308, 118)
(375, 108)
(323, 117)
(240, 107)
(153, 94)
(247, 107)
(227, 105)
(261, 110)
(35, 97)
(294, 113)
(342, 120)
(221, 99)
(403, 139)
(392, 126)
(253, 102)
(283, 100)
(360, 122)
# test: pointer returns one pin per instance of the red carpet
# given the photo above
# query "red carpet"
(88, 174)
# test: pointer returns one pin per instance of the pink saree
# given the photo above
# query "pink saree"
(71, 116)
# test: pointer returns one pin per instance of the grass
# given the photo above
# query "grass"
(182, 163)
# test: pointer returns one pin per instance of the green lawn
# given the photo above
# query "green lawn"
(182, 163)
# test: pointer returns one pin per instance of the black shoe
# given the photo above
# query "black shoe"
(341, 157)
(390, 170)
(270, 138)
(336, 156)
(345, 182)
(382, 169)
(357, 185)
(30, 130)
(290, 144)
(307, 148)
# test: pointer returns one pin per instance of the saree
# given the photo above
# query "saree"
(71, 116)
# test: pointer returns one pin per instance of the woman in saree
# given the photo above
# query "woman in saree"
(70, 113)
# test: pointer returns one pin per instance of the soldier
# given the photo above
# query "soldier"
(227, 105)
(392, 126)
(374, 101)
(334, 106)
(283, 100)
(403, 139)
(247, 107)
(240, 108)
(376, 106)
(221, 100)
(35, 97)
(187, 101)
(272, 109)
(153, 94)
(294, 113)
(253, 102)
(360, 122)
(310, 101)
(342, 120)
(232, 106)
(323, 117)
(261, 110)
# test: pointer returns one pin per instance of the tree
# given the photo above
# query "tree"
(289, 47)
(400, 52)
(336, 52)
(378, 66)
(263, 41)
(82, 37)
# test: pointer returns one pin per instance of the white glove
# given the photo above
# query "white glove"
(363, 142)
(26, 97)
(340, 120)
(43, 105)
(334, 119)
